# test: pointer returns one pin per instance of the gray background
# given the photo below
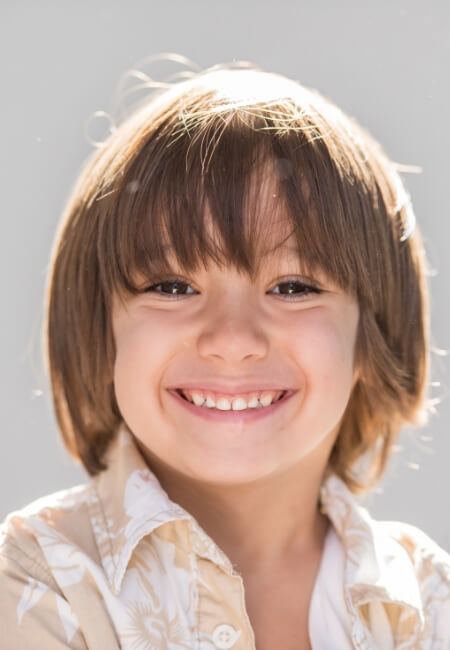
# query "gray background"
(385, 62)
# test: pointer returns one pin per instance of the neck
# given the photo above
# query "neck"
(241, 519)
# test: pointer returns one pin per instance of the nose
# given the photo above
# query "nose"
(232, 334)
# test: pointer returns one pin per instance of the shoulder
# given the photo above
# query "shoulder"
(26, 533)
(431, 568)
(392, 562)
(426, 556)
(34, 611)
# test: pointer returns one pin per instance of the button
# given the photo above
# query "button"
(225, 636)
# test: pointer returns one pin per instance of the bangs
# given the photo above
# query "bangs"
(223, 169)
(221, 187)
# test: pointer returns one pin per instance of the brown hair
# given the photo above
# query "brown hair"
(199, 145)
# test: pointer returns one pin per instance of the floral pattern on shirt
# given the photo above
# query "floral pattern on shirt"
(116, 564)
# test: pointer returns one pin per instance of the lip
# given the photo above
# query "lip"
(246, 415)
(230, 389)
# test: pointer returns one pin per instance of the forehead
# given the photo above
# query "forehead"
(253, 213)
(278, 255)
(261, 217)
(264, 225)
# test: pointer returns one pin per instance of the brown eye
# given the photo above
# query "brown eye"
(294, 289)
(174, 288)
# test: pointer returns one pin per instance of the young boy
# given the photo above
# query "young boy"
(237, 329)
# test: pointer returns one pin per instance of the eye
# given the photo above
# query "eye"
(296, 290)
(174, 287)
(291, 289)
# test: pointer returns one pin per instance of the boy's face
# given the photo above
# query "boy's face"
(226, 334)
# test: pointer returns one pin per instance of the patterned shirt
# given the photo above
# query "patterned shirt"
(114, 563)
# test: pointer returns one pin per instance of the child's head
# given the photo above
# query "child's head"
(226, 168)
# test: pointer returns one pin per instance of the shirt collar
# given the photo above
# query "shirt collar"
(377, 567)
(128, 503)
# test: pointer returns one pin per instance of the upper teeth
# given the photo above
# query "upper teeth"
(239, 403)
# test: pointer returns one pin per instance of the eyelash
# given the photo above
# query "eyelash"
(308, 287)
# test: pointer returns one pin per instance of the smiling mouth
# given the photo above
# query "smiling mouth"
(253, 406)
(235, 417)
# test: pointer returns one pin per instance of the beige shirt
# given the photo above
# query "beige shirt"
(116, 564)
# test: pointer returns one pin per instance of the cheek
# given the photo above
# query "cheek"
(324, 349)
(145, 348)
(137, 364)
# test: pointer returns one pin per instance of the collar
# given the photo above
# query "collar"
(128, 503)
(377, 567)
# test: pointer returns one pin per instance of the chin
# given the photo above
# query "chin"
(233, 473)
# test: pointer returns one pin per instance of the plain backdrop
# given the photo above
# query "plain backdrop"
(386, 63)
